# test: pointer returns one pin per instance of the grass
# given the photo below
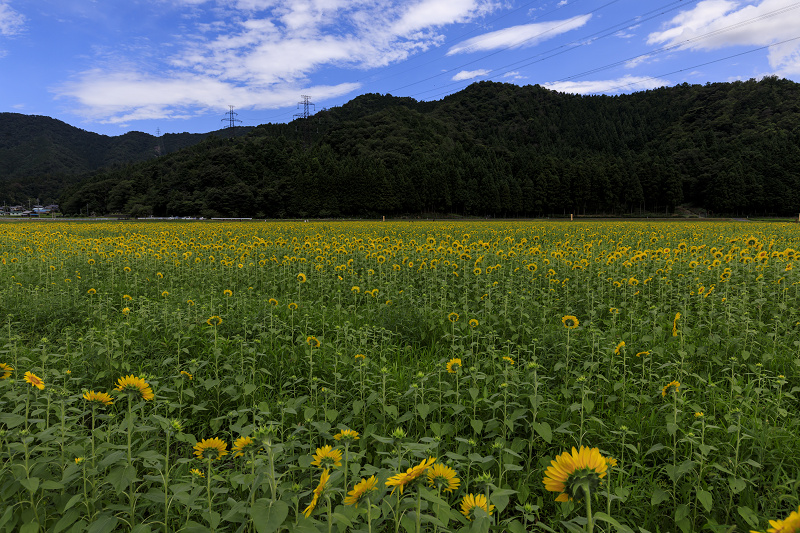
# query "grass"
(683, 367)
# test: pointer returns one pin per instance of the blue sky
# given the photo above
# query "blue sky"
(112, 66)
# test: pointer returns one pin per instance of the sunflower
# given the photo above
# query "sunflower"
(473, 501)
(34, 380)
(273, 301)
(347, 436)
(790, 524)
(214, 321)
(323, 480)
(675, 324)
(360, 356)
(197, 472)
(292, 306)
(212, 449)
(401, 480)
(453, 365)
(571, 473)
(127, 297)
(570, 322)
(126, 310)
(327, 457)
(313, 341)
(164, 294)
(668, 385)
(508, 359)
(187, 374)
(443, 478)
(131, 384)
(619, 347)
(91, 292)
(102, 398)
(243, 445)
(453, 317)
(5, 370)
(301, 277)
(473, 323)
(227, 292)
(642, 353)
(361, 489)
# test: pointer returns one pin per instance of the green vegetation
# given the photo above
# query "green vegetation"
(214, 376)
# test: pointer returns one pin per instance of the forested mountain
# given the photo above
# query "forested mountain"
(40, 155)
(490, 150)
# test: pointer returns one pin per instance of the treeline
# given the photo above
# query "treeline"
(490, 150)
(41, 156)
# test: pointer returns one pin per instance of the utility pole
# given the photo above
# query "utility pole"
(304, 115)
(232, 120)
(159, 149)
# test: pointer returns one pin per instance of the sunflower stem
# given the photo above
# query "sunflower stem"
(588, 494)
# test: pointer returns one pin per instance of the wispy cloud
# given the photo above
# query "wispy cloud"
(262, 53)
(470, 74)
(624, 84)
(714, 24)
(518, 36)
(11, 22)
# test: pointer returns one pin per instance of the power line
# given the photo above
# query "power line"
(232, 120)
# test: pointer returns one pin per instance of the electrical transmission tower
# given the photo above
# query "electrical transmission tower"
(304, 115)
(159, 149)
(231, 120)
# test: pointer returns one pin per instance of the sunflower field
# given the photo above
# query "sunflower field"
(400, 376)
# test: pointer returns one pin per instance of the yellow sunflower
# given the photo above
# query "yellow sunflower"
(453, 317)
(213, 449)
(227, 292)
(34, 380)
(347, 435)
(214, 321)
(5, 370)
(361, 489)
(197, 472)
(570, 322)
(571, 473)
(791, 524)
(619, 347)
(401, 480)
(102, 398)
(323, 480)
(474, 501)
(132, 385)
(443, 478)
(301, 277)
(668, 385)
(473, 323)
(273, 301)
(313, 342)
(453, 365)
(292, 306)
(187, 374)
(243, 445)
(327, 457)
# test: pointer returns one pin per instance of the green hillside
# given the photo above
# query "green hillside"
(39, 155)
(490, 150)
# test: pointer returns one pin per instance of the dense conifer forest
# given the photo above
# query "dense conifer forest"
(493, 149)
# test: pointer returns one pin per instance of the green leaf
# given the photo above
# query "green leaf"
(121, 478)
(500, 498)
(268, 515)
(30, 527)
(423, 409)
(11, 420)
(737, 484)
(706, 499)
(749, 516)
(607, 519)
(66, 520)
(31, 484)
(659, 495)
(544, 431)
(477, 425)
(105, 523)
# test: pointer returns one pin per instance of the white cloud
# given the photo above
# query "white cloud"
(470, 74)
(517, 36)
(619, 85)
(754, 24)
(126, 96)
(262, 53)
(11, 22)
